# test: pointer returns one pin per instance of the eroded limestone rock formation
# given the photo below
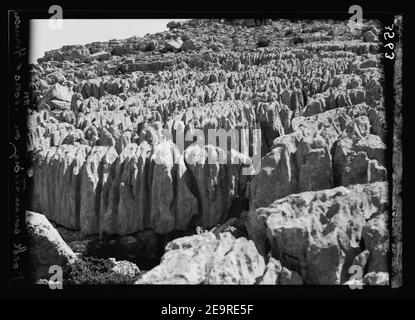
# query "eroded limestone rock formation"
(122, 146)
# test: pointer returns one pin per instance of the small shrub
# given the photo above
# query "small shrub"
(90, 270)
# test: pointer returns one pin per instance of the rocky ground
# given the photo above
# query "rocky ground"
(115, 185)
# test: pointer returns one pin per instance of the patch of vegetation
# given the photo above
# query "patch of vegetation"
(90, 270)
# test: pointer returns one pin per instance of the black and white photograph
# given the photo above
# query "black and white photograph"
(261, 151)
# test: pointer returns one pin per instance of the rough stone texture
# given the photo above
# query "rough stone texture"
(47, 247)
(318, 234)
(125, 268)
(276, 274)
(142, 187)
(289, 277)
(376, 240)
(361, 259)
(57, 183)
(272, 273)
(207, 259)
(119, 137)
(376, 279)
(304, 160)
(397, 158)
(359, 161)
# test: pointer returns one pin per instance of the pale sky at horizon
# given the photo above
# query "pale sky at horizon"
(83, 31)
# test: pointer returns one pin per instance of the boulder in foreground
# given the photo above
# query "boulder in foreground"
(47, 247)
(319, 234)
(207, 259)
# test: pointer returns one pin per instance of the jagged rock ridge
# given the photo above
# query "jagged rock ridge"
(118, 126)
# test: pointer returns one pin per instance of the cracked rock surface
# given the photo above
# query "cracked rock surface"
(121, 148)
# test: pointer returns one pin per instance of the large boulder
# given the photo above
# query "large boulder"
(46, 246)
(359, 160)
(59, 92)
(207, 259)
(318, 234)
(369, 36)
(173, 44)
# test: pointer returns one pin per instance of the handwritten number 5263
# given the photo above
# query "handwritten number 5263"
(389, 35)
